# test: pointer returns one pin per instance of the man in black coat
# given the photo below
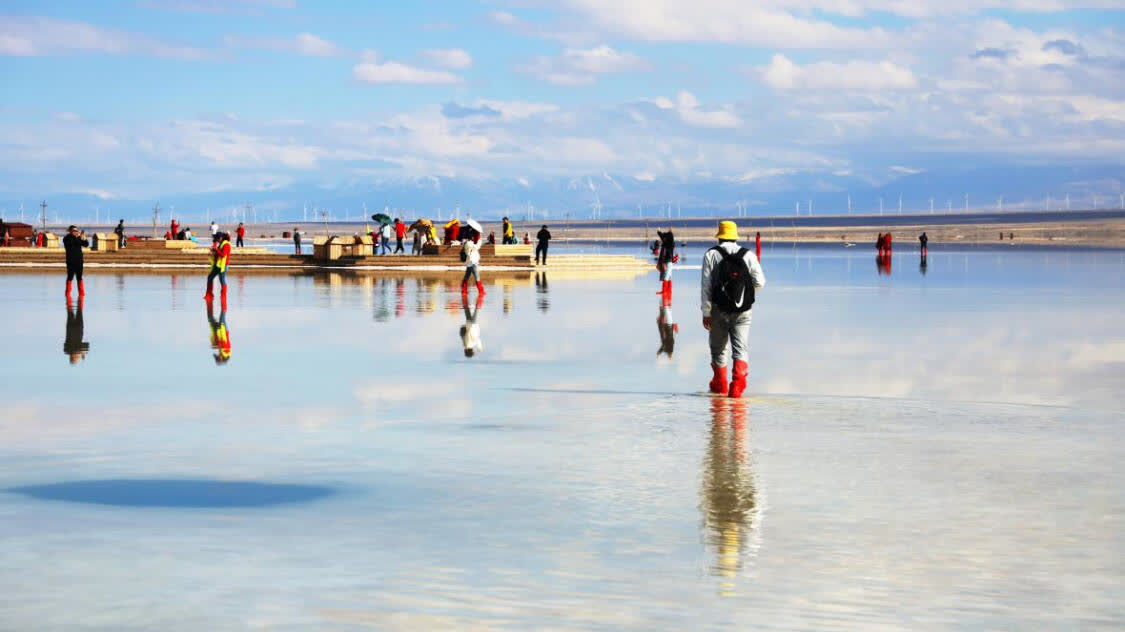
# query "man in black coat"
(74, 242)
(544, 236)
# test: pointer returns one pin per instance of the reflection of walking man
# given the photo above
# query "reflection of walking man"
(668, 328)
(470, 331)
(74, 346)
(220, 336)
(728, 492)
(731, 274)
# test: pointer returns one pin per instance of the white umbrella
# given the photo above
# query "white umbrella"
(475, 226)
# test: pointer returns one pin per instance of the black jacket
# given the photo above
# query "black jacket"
(74, 246)
(543, 236)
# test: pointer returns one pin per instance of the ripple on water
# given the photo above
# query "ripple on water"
(175, 492)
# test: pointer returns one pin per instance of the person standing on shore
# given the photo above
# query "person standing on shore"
(175, 229)
(220, 259)
(239, 233)
(74, 241)
(509, 234)
(923, 240)
(385, 232)
(544, 238)
(296, 240)
(214, 232)
(120, 232)
(400, 234)
(730, 277)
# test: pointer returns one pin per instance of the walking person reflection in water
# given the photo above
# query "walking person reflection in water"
(666, 326)
(220, 335)
(470, 331)
(542, 301)
(728, 503)
(74, 346)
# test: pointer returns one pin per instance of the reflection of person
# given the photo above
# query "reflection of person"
(730, 276)
(728, 494)
(542, 301)
(883, 262)
(74, 241)
(667, 327)
(220, 258)
(470, 331)
(220, 335)
(544, 238)
(470, 252)
(74, 346)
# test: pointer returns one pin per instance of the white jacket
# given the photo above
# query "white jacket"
(757, 276)
(472, 253)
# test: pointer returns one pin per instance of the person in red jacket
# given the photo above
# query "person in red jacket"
(175, 229)
(240, 233)
(887, 243)
(400, 234)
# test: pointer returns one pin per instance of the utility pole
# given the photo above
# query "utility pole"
(880, 205)
(966, 202)
(849, 204)
(1068, 201)
(43, 214)
(900, 204)
(931, 206)
(155, 218)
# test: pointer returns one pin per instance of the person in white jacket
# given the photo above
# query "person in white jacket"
(727, 290)
(470, 250)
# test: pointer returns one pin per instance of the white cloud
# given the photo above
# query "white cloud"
(453, 58)
(579, 67)
(374, 70)
(304, 44)
(687, 107)
(865, 76)
(42, 36)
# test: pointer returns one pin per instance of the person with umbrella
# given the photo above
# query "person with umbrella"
(470, 254)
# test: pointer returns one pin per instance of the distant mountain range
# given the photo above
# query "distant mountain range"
(772, 193)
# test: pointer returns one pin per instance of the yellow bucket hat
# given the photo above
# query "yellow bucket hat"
(727, 231)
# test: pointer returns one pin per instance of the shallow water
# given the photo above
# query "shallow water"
(921, 451)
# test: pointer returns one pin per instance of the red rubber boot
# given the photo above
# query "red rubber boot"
(81, 289)
(464, 288)
(667, 290)
(480, 289)
(738, 383)
(210, 294)
(718, 383)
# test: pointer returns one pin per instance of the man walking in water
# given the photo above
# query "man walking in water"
(544, 237)
(731, 275)
(924, 241)
(220, 258)
(74, 242)
(470, 254)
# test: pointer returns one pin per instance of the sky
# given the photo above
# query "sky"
(140, 98)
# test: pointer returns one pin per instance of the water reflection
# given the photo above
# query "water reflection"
(922, 264)
(220, 335)
(728, 495)
(175, 493)
(666, 326)
(470, 331)
(74, 345)
(542, 301)
(883, 263)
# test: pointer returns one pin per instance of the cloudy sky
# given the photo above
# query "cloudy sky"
(142, 97)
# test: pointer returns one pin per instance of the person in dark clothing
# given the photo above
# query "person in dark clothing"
(74, 346)
(665, 257)
(74, 242)
(296, 240)
(400, 234)
(239, 234)
(544, 237)
(120, 232)
(923, 240)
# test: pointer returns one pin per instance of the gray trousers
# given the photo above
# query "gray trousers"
(733, 329)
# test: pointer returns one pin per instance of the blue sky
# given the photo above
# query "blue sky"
(144, 97)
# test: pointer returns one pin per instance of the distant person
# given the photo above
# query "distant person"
(5, 234)
(214, 232)
(1001, 235)
(188, 236)
(416, 248)
(880, 244)
(665, 258)
(239, 233)
(492, 238)
(74, 346)
(220, 260)
(400, 234)
(758, 245)
(175, 229)
(470, 331)
(730, 277)
(168, 236)
(527, 239)
(544, 239)
(923, 240)
(74, 241)
(1011, 236)
(508, 232)
(470, 254)
(385, 234)
(887, 243)
(296, 240)
(120, 232)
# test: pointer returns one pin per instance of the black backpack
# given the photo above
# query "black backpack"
(732, 289)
